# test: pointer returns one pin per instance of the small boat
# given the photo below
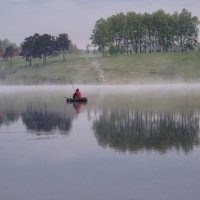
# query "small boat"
(81, 100)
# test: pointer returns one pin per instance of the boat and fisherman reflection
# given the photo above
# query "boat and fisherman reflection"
(77, 105)
(77, 100)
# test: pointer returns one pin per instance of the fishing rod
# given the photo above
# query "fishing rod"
(70, 81)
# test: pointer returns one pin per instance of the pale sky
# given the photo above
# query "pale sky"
(23, 18)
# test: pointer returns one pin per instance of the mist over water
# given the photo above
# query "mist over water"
(124, 88)
(125, 140)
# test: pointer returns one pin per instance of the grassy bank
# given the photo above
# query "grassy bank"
(90, 69)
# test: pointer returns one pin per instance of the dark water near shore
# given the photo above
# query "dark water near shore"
(127, 142)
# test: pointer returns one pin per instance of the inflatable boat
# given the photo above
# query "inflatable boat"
(81, 100)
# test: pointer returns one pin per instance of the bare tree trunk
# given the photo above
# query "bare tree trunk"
(30, 62)
(63, 55)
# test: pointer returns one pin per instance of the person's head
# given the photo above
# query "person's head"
(77, 89)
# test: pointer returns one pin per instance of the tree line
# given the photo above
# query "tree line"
(38, 46)
(41, 46)
(137, 33)
(8, 50)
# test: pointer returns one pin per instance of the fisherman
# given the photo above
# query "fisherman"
(77, 94)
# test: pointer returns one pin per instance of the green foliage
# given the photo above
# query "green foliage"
(1, 52)
(6, 43)
(100, 37)
(114, 50)
(45, 46)
(10, 52)
(28, 48)
(41, 46)
(62, 43)
(156, 32)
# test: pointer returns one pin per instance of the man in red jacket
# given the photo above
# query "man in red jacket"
(77, 94)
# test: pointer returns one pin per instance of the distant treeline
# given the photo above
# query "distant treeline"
(41, 46)
(38, 46)
(156, 32)
(8, 49)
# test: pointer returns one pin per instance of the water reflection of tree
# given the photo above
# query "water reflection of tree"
(8, 117)
(46, 121)
(133, 131)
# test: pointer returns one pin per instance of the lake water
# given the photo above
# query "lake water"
(127, 142)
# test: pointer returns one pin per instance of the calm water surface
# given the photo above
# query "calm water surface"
(127, 142)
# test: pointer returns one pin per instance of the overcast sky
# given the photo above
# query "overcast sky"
(22, 18)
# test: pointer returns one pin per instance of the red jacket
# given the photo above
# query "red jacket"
(77, 94)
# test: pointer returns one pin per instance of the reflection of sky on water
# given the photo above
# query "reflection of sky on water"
(56, 169)
(55, 147)
(73, 166)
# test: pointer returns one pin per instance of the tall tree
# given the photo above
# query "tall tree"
(45, 46)
(147, 23)
(28, 48)
(187, 30)
(130, 28)
(10, 52)
(173, 31)
(1, 52)
(63, 43)
(116, 26)
(100, 37)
